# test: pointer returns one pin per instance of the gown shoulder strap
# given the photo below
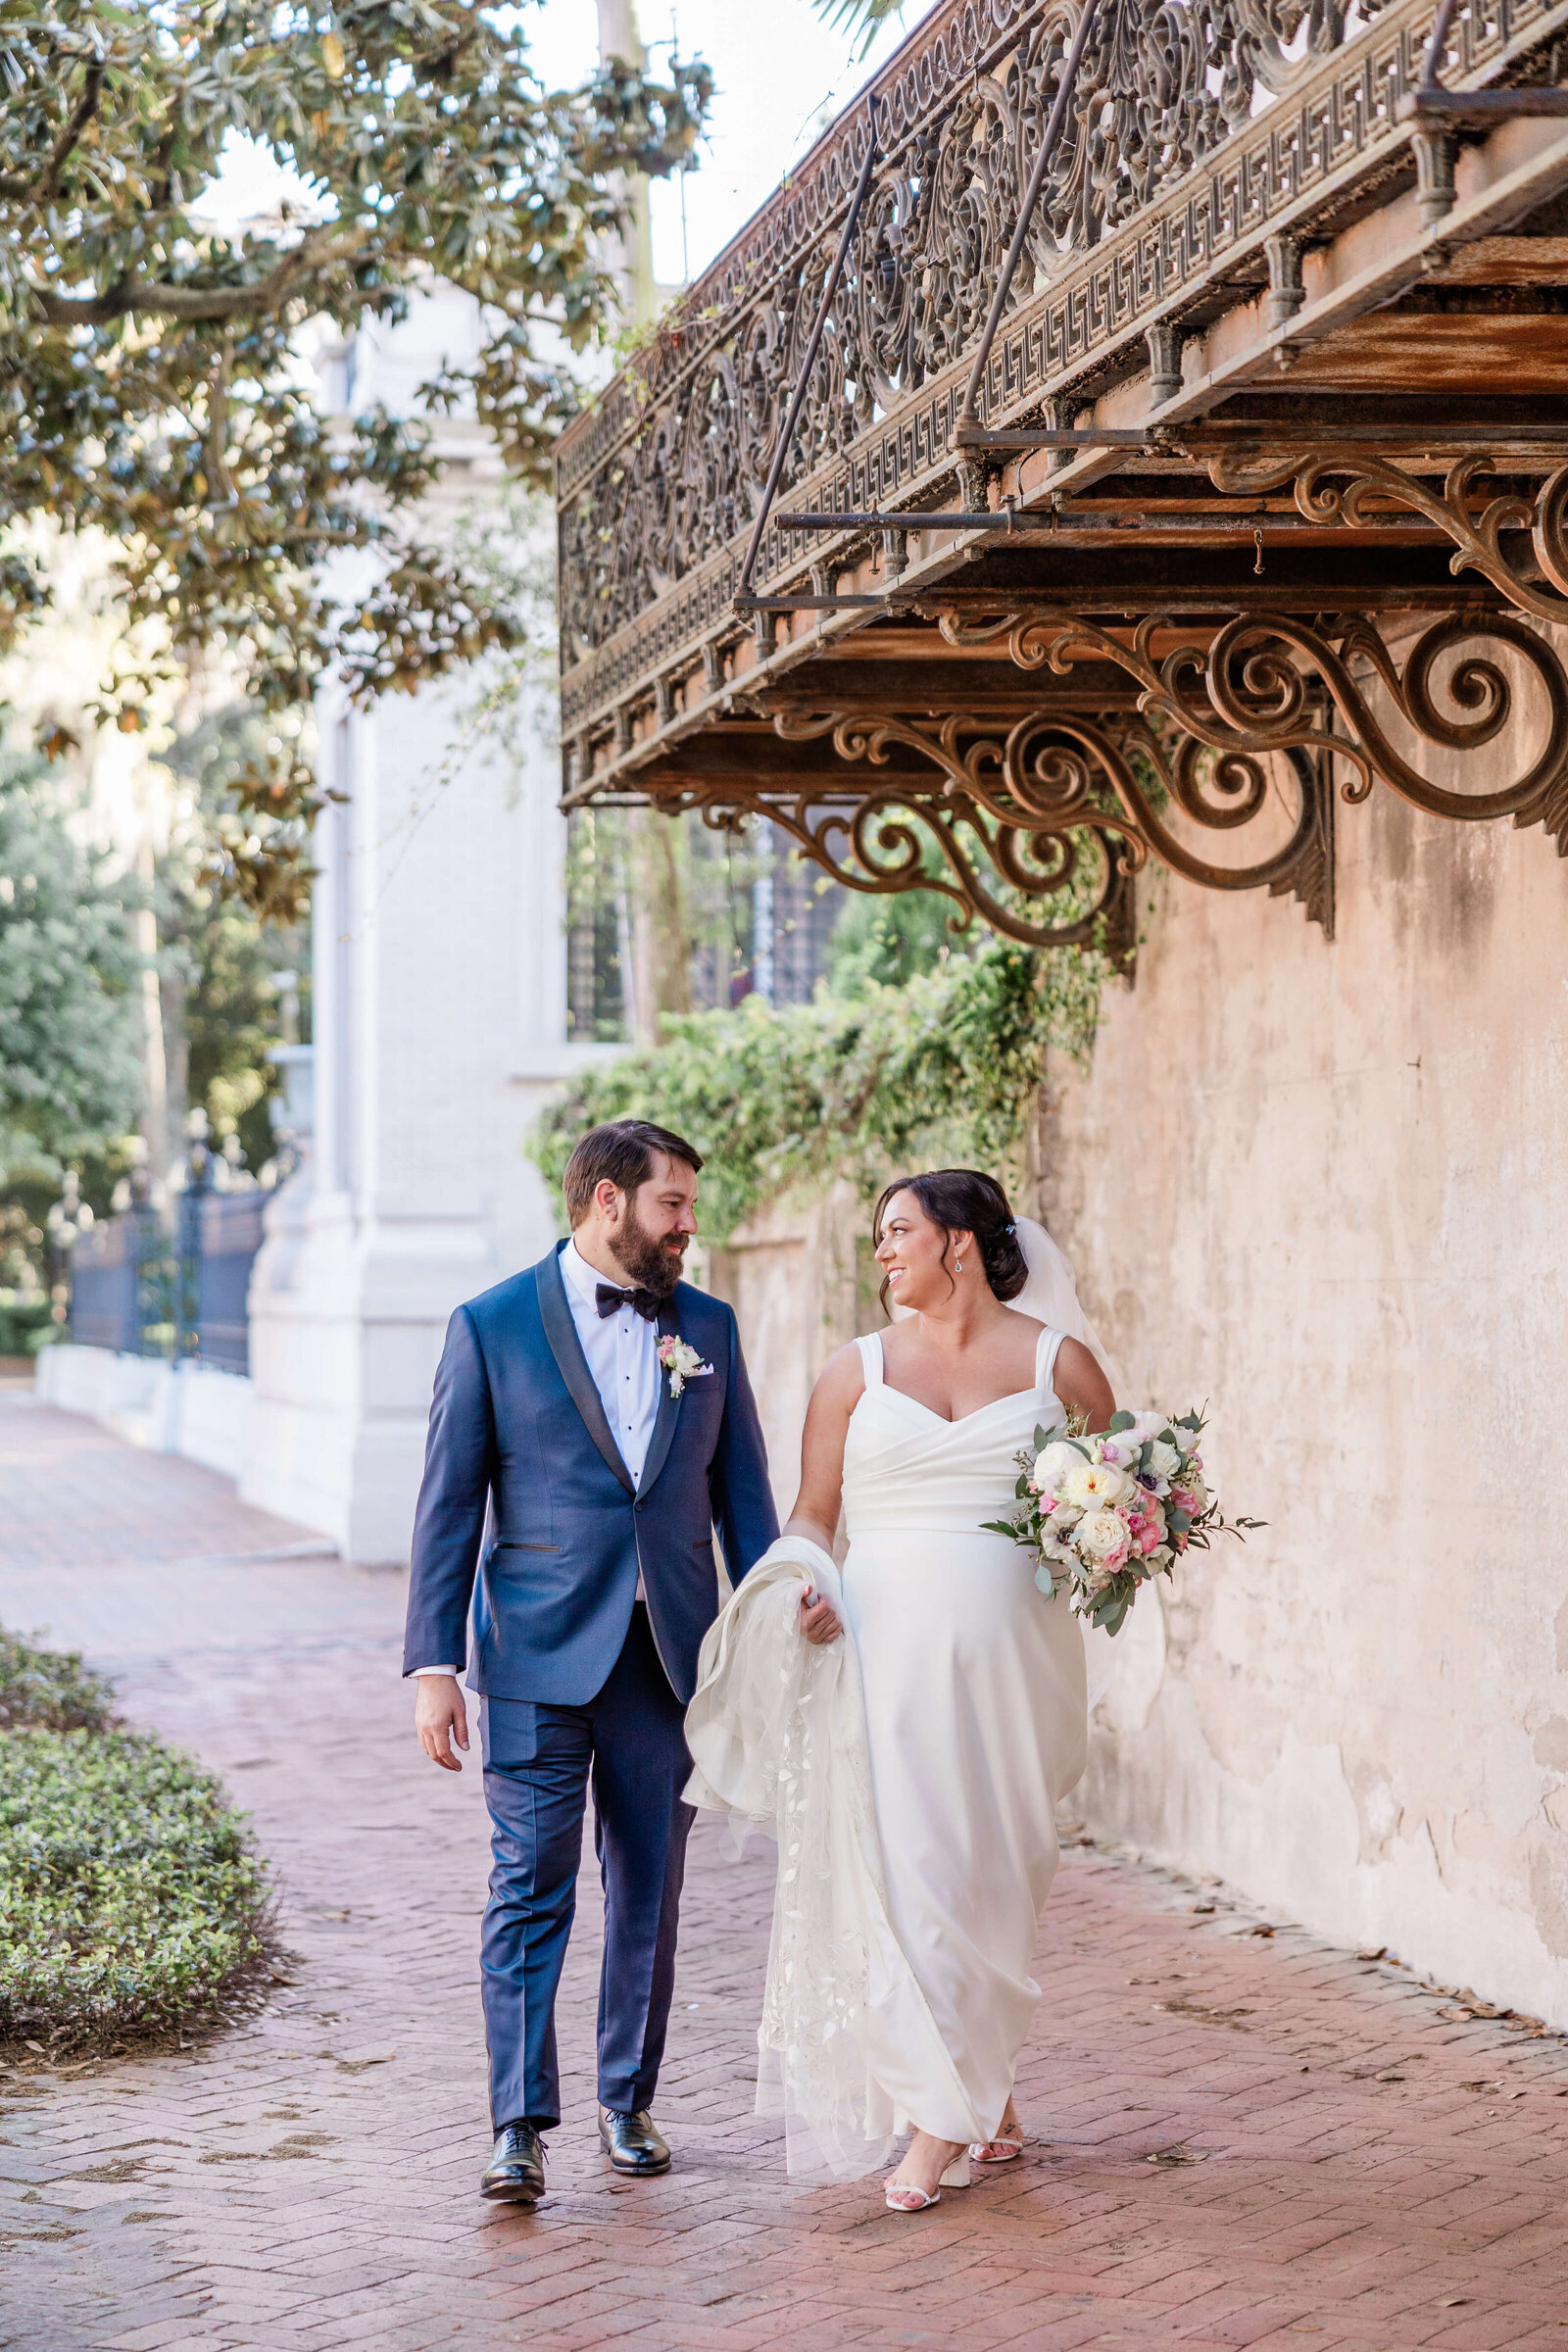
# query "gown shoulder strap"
(1047, 1348)
(870, 1346)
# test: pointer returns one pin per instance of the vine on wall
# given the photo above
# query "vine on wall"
(942, 1070)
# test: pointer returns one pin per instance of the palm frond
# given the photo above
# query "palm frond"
(863, 17)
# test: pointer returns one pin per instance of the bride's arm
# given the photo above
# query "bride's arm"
(1082, 1385)
(816, 1506)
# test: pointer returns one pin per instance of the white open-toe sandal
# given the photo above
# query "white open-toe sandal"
(903, 2196)
(1006, 2149)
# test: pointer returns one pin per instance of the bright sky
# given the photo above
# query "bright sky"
(781, 74)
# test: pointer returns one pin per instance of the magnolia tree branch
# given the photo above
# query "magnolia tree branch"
(156, 298)
(47, 186)
(185, 436)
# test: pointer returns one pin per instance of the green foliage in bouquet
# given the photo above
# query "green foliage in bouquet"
(945, 1068)
(1106, 1511)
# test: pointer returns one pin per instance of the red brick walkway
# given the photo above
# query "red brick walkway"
(1238, 2139)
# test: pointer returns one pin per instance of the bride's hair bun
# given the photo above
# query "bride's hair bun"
(963, 1200)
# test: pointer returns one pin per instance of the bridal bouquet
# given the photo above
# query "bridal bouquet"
(1105, 1511)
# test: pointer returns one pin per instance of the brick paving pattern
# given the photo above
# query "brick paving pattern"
(1240, 2138)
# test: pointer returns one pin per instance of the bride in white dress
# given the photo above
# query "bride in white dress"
(912, 1772)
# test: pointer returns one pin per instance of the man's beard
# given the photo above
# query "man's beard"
(653, 1264)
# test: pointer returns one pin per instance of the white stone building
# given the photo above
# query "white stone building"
(439, 1026)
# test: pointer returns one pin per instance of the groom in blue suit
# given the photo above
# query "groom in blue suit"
(592, 1425)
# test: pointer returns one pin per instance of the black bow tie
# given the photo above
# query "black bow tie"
(610, 1301)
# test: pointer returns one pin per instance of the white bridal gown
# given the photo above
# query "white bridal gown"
(976, 1715)
(911, 1775)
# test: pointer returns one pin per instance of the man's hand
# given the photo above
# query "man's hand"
(440, 1717)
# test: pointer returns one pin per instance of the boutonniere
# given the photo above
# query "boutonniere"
(681, 1362)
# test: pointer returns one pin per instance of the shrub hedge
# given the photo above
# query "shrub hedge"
(50, 1688)
(131, 1899)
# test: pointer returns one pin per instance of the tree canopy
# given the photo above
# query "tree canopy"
(150, 381)
(69, 1077)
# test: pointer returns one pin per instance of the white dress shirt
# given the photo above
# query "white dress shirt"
(622, 1352)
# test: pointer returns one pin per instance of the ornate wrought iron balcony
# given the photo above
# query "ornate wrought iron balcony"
(1133, 425)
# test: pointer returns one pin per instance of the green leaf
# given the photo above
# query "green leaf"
(844, 1087)
(131, 1897)
(1118, 1422)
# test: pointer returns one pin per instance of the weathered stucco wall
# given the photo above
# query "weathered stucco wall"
(1325, 1186)
(799, 1287)
(1322, 1186)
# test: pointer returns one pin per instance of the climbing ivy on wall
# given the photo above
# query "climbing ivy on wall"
(941, 1072)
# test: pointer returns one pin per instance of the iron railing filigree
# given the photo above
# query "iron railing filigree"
(1119, 521)
(1163, 84)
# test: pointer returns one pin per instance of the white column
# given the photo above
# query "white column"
(439, 1023)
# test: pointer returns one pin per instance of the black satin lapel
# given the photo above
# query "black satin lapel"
(668, 1412)
(567, 1349)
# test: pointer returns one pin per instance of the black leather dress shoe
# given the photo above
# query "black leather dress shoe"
(515, 2172)
(632, 2142)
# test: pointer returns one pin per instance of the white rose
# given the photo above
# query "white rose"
(1163, 1460)
(1052, 1464)
(1095, 1486)
(1101, 1533)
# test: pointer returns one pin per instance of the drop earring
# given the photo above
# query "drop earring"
(958, 1265)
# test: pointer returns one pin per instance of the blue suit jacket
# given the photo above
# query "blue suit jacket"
(516, 1425)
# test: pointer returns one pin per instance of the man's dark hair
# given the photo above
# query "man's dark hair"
(622, 1153)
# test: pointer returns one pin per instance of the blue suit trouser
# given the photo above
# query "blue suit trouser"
(628, 1744)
